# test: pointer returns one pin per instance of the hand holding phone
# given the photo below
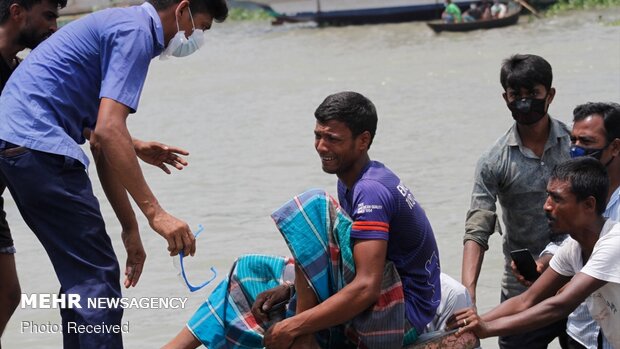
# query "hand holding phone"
(526, 265)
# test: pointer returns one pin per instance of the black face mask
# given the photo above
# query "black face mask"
(527, 111)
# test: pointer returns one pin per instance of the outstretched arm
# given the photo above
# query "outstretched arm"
(155, 153)
(160, 155)
(116, 144)
(535, 308)
(361, 293)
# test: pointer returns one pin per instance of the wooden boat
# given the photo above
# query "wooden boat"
(424, 10)
(512, 17)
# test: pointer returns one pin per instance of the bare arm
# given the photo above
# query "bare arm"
(117, 147)
(473, 255)
(117, 196)
(545, 286)
(155, 153)
(481, 222)
(537, 307)
(549, 310)
(160, 155)
(361, 293)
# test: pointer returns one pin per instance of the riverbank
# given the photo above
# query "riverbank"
(576, 5)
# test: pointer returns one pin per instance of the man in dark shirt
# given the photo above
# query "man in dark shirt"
(23, 24)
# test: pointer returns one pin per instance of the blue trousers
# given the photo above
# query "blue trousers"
(55, 198)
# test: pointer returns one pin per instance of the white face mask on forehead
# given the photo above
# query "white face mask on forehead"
(180, 46)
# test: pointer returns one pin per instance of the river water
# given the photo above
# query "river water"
(243, 106)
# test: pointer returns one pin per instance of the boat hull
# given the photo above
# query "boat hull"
(510, 19)
(370, 16)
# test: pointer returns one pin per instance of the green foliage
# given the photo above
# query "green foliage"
(567, 5)
(241, 14)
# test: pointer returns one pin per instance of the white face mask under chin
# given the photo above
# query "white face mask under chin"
(180, 46)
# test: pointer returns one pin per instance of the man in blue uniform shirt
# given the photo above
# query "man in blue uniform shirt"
(23, 24)
(83, 82)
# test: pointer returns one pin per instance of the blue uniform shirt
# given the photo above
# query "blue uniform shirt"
(55, 93)
(382, 207)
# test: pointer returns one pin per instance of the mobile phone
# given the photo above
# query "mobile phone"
(525, 264)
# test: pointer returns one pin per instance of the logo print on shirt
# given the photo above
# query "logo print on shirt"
(406, 193)
(363, 208)
(431, 266)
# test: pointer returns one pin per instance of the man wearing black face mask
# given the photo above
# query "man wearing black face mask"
(515, 170)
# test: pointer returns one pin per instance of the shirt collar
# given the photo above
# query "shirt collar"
(615, 196)
(555, 132)
(157, 27)
(359, 176)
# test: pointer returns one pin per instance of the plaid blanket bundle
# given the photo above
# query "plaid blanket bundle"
(316, 231)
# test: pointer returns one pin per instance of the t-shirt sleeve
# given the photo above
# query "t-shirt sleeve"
(125, 58)
(565, 259)
(372, 209)
(603, 263)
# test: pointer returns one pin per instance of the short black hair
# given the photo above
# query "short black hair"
(587, 177)
(216, 8)
(352, 109)
(610, 112)
(27, 4)
(525, 71)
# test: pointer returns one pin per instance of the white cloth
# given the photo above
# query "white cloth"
(499, 10)
(454, 296)
(604, 265)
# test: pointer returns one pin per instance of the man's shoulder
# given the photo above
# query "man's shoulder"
(498, 149)
(378, 174)
(377, 181)
(127, 19)
(505, 139)
(371, 186)
(611, 230)
(559, 128)
(566, 260)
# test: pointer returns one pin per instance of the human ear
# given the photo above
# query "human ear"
(590, 204)
(615, 147)
(182, 6)
(550, 95)
(364, 139)
(16, 11)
